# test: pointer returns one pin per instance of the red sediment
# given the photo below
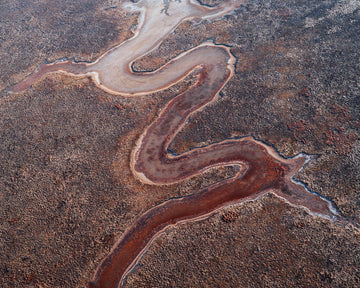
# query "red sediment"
(263, 170)
(59, 66)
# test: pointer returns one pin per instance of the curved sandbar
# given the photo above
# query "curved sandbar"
(261, 168)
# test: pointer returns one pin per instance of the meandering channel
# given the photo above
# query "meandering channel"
(262, 169)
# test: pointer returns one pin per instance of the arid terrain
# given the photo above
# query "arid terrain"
(67, 192)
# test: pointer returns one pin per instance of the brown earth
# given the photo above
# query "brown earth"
(66, 189)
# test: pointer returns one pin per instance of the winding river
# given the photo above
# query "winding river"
(261, 168)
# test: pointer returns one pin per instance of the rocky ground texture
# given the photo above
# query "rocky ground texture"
(66, 189)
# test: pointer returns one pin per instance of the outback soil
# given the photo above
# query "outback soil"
(66, 189)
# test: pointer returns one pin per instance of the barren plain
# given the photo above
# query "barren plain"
(67, 192)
